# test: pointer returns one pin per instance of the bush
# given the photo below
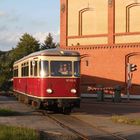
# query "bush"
(125, 120)
(17, 133)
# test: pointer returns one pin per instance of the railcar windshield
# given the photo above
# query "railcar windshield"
(61, 68)
(77, 68)
(44, 68)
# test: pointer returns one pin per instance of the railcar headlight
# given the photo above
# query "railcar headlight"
(49, 91)
(73, 91)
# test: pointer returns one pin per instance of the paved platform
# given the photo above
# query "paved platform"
(98, 114)
(29, 118)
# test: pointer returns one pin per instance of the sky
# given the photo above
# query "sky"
(36, 17)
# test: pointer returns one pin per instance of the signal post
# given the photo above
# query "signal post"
(130, 69)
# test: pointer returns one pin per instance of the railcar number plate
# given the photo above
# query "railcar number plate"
(70, 80)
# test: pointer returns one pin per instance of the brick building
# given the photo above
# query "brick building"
(107, 34)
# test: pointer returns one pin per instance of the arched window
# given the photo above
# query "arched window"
(80, 23)
(132, 19)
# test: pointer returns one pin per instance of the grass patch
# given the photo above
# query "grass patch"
(7, 112)
(17, 133)
(125, 120)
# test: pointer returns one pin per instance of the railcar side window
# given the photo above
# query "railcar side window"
(35, 69)
(43, 68)
(25, 69)
(77, 68)
(61, 68)
(15, 72)
(31, 68)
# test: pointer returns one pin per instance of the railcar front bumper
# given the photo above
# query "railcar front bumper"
(61, 103)
(68, 103)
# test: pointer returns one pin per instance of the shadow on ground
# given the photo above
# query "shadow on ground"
(108, 107)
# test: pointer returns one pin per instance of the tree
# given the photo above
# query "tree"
(25, 46)
(5, 71)
(48, 43)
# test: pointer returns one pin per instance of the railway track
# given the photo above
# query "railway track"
(63, 125)
(81, 129)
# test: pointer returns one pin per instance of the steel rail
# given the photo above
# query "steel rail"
(78, 133)
(65, 126)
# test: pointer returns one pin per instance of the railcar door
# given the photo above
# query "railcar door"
(34, 79)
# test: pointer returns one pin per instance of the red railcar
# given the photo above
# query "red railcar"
(49, 78)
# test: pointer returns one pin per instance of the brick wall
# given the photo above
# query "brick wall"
(104, 52)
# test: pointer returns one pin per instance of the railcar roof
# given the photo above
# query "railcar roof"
(50, 52)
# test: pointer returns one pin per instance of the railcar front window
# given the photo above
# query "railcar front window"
(43, 68)
(61, 68)
(76, 68)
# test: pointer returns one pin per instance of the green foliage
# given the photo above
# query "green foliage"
(1, 53)
(26, 45)
(125, 120)
(48, 43)
(5, 71)
(17, 133)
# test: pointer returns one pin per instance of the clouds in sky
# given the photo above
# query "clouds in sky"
(9, 40)
(33, 17)
(2, 14)
(42, 36)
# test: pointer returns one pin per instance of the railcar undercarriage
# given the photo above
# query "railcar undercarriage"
(56, 105)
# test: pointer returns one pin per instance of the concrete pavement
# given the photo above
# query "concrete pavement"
(98, 114)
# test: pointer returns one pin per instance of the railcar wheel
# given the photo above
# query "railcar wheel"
(27, 100)
(20, 98)
(36, 104)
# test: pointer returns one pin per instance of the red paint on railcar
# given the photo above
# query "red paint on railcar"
(61, 87)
